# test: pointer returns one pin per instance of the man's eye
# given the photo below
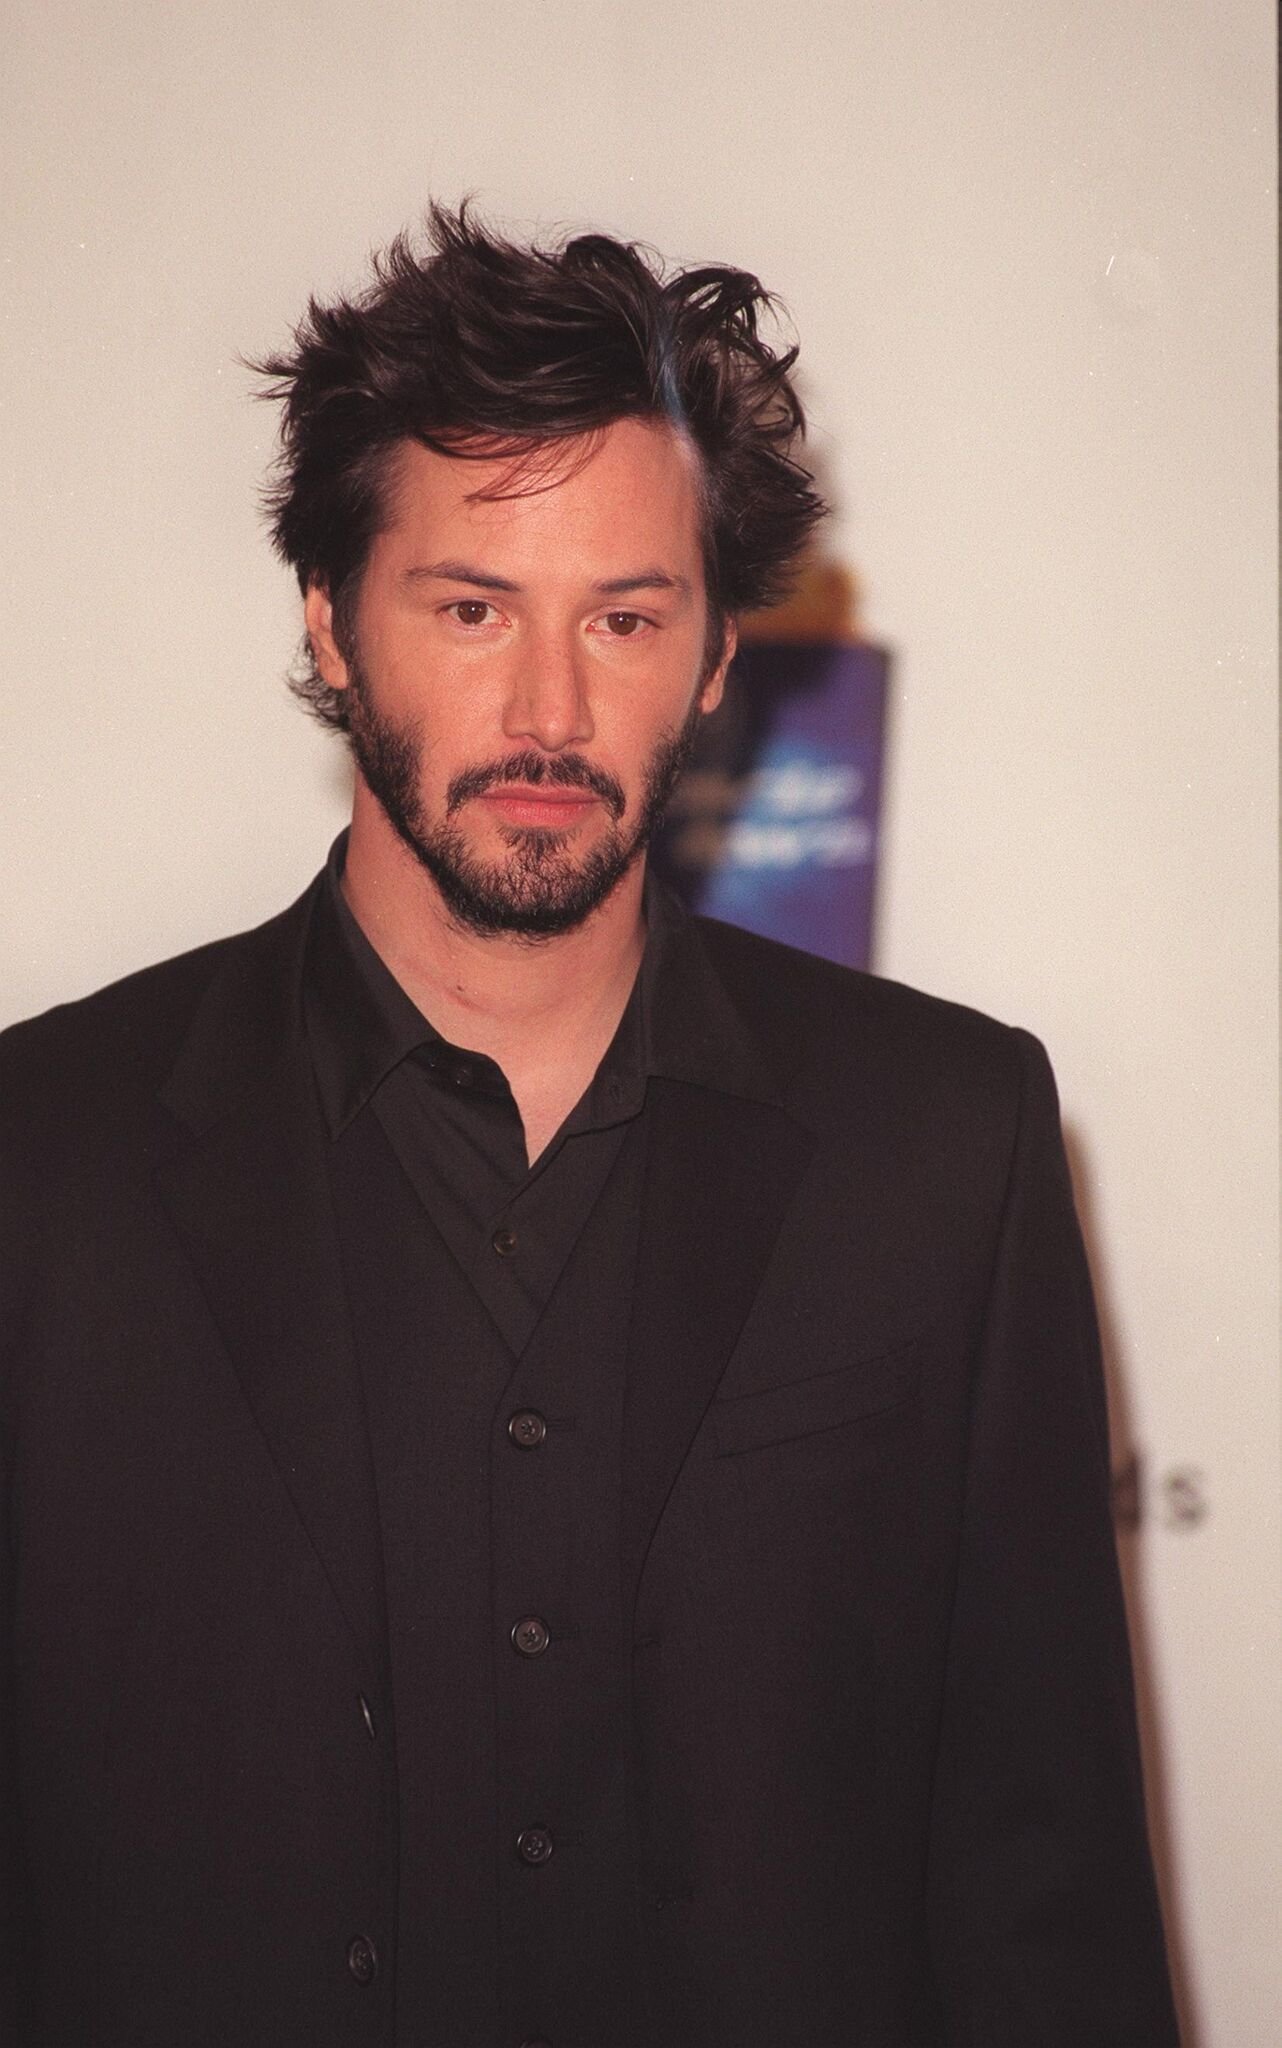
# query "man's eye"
(621, 624)
(470, 611)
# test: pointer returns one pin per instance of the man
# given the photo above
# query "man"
(556, 1457)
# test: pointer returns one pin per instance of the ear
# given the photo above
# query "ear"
(318, 613)
(713, 690)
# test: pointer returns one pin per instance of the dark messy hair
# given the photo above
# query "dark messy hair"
(480, 347)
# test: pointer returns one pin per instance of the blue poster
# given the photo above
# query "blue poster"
(774, 824)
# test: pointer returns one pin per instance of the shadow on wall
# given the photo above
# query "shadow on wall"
(1131, 1514)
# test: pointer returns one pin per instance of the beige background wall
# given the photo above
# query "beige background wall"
(1028, 248)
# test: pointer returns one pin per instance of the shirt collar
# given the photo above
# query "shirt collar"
(679, 1023)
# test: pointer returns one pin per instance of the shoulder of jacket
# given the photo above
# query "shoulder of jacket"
(131, 1028)
(817, 1012)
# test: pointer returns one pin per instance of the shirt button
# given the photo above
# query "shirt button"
(527, 1428)
(362, 1960)
(504, 1242)
(530, 1636)
(534, 1845)
(461, 1074)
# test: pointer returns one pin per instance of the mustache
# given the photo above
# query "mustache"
(564, 771)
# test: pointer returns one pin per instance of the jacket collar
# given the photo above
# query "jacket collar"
(250, 1017)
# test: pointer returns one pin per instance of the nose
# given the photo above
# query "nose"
(547, 700)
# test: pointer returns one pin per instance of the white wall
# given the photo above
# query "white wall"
(1028, 248)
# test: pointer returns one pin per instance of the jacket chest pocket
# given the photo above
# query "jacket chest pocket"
(743, 1422)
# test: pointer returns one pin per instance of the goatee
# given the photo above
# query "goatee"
(543, 888)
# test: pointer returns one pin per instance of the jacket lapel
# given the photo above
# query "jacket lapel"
(249, 1195)
(723, 1163)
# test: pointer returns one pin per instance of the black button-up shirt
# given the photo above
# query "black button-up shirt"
(451, 1118)
(492, 1308)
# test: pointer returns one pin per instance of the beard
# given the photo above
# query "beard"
(542, 888)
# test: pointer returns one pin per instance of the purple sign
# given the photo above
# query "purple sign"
(774, 824)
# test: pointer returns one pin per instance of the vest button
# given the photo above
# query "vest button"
(534, 1845)
(362, 1960)
(504, 1243)
(527, 1428)
(530, 1636)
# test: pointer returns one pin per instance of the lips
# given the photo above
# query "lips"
(533, 778)
(547, 805)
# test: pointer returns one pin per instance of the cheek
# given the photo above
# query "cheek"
(642, 713)
(446, 702)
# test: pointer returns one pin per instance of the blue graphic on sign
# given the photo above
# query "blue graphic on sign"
(774, 824)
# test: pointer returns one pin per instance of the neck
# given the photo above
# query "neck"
(532, 1005)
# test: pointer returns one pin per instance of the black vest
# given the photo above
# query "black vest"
(499, 1485)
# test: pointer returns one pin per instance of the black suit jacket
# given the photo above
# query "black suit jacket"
(885, 1770)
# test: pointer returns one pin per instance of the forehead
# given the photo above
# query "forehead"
(629, 490)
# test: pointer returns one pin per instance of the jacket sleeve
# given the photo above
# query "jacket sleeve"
(17, 1938)
(1043, 1915)
(15, 1932)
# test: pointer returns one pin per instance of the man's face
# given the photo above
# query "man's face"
(528, 671)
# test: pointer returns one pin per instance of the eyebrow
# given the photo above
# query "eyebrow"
(478, 578)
